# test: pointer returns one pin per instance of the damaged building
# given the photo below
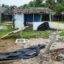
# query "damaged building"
(30, 17)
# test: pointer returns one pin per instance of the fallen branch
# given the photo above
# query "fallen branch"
(16, 32)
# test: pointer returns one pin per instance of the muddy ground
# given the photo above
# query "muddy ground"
(10, 45)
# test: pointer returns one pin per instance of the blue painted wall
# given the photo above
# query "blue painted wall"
(36, 18)
(29, 17)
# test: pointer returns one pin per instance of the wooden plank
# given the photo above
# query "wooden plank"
(11, 34)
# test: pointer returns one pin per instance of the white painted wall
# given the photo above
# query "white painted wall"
(36, 24)
(56, 25)
(53, 25)
(19, 21)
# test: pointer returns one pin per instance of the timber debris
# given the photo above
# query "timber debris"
(15, 32)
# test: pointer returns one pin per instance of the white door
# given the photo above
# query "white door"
(19, 21)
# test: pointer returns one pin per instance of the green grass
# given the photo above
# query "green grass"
(36, 34)
(62, 33)
(28, 33)
(5, 31)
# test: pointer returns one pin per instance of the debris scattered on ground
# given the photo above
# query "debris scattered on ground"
(61, 56)
(21, 40)
(41, 58)
(24, 53)
(55, 55)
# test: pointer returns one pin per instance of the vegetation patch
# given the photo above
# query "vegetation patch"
(62, 33)
(5, 31)
(6, 23)
(36, 34)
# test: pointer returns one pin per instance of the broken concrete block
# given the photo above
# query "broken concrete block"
(21, 40)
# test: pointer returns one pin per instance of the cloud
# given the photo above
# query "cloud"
(14, 2)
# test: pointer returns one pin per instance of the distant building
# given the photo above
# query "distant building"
(30, 17)
(5, 14)
(33, 17)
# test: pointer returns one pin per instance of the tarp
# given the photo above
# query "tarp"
(25, 53)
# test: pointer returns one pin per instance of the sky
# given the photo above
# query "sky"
(14, 2)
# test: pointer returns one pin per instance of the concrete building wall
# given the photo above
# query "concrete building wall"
(52, 25)
(36, 24)
(56, 25)
(19, 21)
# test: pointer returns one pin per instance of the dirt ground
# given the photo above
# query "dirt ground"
(10, 45)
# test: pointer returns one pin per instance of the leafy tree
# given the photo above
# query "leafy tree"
(37, 3)
(30, 4)
(34, 3)
(24, 6)
(56, 6)
(6, 6)
(13, 6)
(50, 3)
